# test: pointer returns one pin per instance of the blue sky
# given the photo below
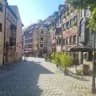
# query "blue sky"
(33, 10)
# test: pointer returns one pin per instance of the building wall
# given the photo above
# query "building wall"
(8, 43)
(19, 41)
(35, 41)
(27, 42)
(70, 29)
(43, 36)
(2, 15)
(18, 32)
(39, 39)
(49, 48)
(53, 39)
(10, 36)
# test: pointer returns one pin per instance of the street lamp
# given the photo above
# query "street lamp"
(93, 74)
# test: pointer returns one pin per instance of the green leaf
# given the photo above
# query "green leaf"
(92, 21)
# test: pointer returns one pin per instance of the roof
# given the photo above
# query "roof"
(16, 11)
(10, 9)
(81, 49)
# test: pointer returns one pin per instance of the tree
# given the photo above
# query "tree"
(92, 21)
(92, 25)
(82, 3)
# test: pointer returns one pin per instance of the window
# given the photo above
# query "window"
(28, 35)
(64, 26)
(41, 39)
(66, 41)
(1, 7)
(28, 46)
(59, 41)
(28, 41)
(41, 45)
(74, 39)
(42, 32)
(75, 19)
(12, 41)
(70, 40)
(63, 41)
(68, 25)
(0, 27)
(71, 22)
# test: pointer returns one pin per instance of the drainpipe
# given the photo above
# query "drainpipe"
(94, 66)
(78, 23)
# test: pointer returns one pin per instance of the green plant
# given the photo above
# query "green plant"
(67, 61)
(52, 56)
(62, 59)
(75, 24)
(75, 60)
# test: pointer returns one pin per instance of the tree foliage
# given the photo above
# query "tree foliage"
(82, 3)
(62, 59)
(92, 21)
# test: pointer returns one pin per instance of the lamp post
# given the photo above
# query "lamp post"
(93, 73)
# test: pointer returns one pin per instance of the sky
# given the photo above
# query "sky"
(33, 10)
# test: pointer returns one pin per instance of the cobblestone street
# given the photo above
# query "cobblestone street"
(40, 79)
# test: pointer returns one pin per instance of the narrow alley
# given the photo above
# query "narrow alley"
(35, 77)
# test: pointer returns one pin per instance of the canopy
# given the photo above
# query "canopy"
(82, 49)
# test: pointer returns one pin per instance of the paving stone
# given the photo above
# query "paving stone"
(41, 79)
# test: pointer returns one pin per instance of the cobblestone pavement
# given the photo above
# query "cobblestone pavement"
(41, 79)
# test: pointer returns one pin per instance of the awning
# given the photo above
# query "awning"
(81, 49)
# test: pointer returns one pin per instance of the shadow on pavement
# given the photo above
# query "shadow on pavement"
(42, 70)
(8, 67)
(23, 81)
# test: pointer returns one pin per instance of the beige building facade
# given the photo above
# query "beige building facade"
(35, 44)
(19, 41)
(19, 38)
(10, 35)
(2, 15)
(30, 40)
(10, 27)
